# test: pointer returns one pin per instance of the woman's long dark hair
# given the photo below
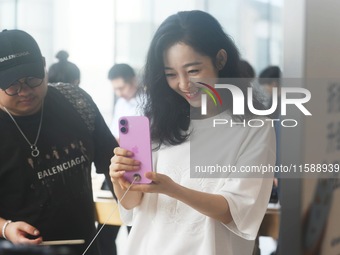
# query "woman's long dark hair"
(167, 110)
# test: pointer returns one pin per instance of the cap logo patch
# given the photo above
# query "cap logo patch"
(12, 56)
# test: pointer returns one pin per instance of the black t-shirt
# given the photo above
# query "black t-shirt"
(53, 192)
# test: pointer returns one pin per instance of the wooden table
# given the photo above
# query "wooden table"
(106, 208)
(271, 222)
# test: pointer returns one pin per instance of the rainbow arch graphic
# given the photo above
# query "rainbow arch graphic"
(207, 89)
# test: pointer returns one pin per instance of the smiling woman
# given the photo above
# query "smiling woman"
(177, 213)
(182, 63)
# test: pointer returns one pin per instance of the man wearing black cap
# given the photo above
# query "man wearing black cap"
(50, 135)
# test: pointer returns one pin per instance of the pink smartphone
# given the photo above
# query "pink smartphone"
(134, 135)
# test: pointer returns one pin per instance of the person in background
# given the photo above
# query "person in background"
(270, 78)
(177, 214)
(247, 70)
(51, 134)
(67, 72)
(64, 71)
(124, 83)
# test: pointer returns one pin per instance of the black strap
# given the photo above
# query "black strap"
(80, 100)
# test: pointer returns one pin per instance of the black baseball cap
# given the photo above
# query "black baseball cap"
(20, 57)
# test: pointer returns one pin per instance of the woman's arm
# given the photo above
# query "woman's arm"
(130, 200)
(211, 205)
(214, 206)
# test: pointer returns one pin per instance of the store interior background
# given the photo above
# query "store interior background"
(300, 36)
(98, 34)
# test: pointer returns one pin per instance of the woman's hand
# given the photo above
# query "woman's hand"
(120, 163)
(161, 183)
(20, 232)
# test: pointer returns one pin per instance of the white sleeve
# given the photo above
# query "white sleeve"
(114, 127)
(248, 197)
(125, 215)
(117, 113)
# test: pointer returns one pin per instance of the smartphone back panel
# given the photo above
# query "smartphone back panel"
(134, 135)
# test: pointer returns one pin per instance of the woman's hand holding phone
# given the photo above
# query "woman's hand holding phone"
(121, 163)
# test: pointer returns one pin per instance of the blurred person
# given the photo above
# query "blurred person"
(270, 78)
(124, 83)
(51, 135)
(64, 71)
(247, 69)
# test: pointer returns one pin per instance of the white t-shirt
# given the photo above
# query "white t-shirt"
(123, 107)
(163, 225)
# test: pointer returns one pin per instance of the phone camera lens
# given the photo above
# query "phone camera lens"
(123, 130)
(123, 122)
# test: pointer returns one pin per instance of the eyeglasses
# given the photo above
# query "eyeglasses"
(16, 86)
